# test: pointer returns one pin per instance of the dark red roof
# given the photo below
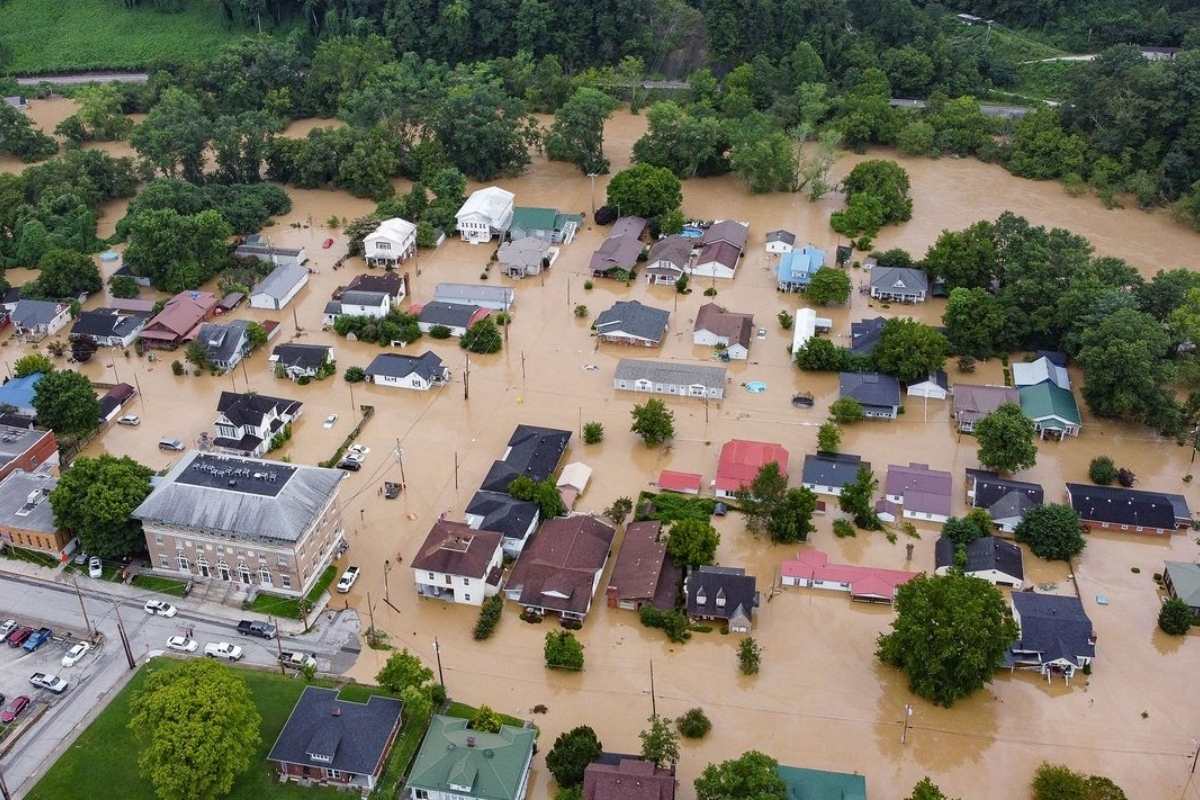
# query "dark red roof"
(630, 778)
(455, 549)
(639, 562)
(558, 566)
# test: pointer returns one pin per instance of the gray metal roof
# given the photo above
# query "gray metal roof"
(473, 294)
(197, 493)
(24, 501)
(633, 318)
(899, 280)
(670, 372)
(281, 281)
(31, 313)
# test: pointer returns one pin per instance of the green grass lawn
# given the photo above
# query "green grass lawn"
(32, 556)
(464, 711)
(105, 755)
(62, 35)
(280, 606)
(162, 585)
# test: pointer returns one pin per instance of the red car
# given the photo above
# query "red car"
(14, 709)
(328, 243)
(18, 637)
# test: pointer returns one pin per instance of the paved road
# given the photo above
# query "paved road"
(86, 77)
(91, 689)
(987, 109)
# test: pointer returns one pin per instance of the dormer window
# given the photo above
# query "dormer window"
(720, 598)
(701, 597)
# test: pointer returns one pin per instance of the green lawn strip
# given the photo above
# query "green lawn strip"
(30, 556)
(280, 606)
(672, 507)
(162, 585)
(105, 754)
(50, 35)
(464, 711)
(404, 750)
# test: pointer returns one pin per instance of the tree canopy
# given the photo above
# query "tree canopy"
(910, 350)
(95, 498)
(66, 403)
(692, 542)
(653, 421)
(1006, 439)
(573, 750)
(751, 776)
(577, 134)
(1052, 531)
(644, 190)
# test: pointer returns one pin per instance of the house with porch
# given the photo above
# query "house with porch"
(878, 394)
(780, 241)
(358, 303)
(1052, 409)
(726, 594)
(515, 520)
(328, 741)
(521, 258)
(547, 224)
(458, 563)
(1040, 371)
(487, 212)
(1129, 509)
(616, 254)
(811, 569)
(993, 559)
(560, 567)
(727, 331)
(1006, 500)
(973, 402)
(669, 259)
(630, 322)
(643, 574)
(225, 344)
(34, 320)
(108, 327)
(740, 462)
(246, 423)
(721, 249)
(400, 370)
(391, 243)
(827, 473)
(670, 377)
(797, 267)
(296, 361)
(916, 492)
(1056, 635)
(457, 763)
(179, 319)
(457, 318)
(899, 285)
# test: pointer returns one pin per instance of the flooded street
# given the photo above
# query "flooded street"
(822, 700)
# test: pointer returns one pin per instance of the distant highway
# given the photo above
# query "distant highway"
(76, 78)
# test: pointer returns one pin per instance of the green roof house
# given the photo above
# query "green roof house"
(544, 223)
(1183, 582)
(817, 784)
(471, 765)
(1052, 409)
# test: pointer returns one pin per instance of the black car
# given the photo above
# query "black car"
(350, 465)
(264, 630)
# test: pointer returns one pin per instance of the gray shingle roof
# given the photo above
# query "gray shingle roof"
(355, 734)
(739, 591)
(670, 373)
(249, 408)
(985, 553)
(221, 341)
(634, 319)
(32, 313)
(899, 280)
(107, 322)
(864, 335)
(473, 294)
(310, 356)
(870, 388)
(1119, 506)
(196, 494)
(533, 451)
(281, 281)
(398, 365)
(1004, 497)
(1054, 626)
(831, 469)
(452, 315)
(503, 513)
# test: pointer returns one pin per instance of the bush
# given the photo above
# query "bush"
(489, 617)
(563, 651)
(846, 410)
(694, 724)
(785, 320)
(681, 284)
(1126, 477)
(710, 291)
(619, 510)
(674, 623)
(123, 286)
(1175, 617)
(355, 375)
(749, 656)
(593, 433)
(177, 367)
(605, 215)
(581, 311)
(587, 286)
(843, 529)
(482, 337)
(440, 332)
(1102, 470)
(485, 719)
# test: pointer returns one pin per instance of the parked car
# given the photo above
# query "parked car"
(44, 680)
(14, 709)
(18, 637)
(170, 444)
(80, 559)
(264, 630)
(347, 580)
(358, 452)
(132, 420)
(6, 628)
(75, 654)
(330, 420)
(297, 660)
(160, 608)
(37, 639)
(349, 465)
(230, 652)
(95, 567)
(182, 644)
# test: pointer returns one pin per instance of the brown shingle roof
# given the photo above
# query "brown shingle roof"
(972, 402)
(181, 313)
(733, 326)
(558, 566)
(456, 549)
(629, 778)
(639, 562)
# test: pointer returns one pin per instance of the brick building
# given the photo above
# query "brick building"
(26, 519)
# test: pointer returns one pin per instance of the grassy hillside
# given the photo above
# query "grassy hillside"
(60, 35)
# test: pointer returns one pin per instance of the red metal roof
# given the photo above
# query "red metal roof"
(813, 564)
(671, 481)
(742, 459)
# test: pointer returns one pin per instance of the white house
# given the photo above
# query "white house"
(916, 492)
(721, 249)
(458, 564)
(934, 387)
(37, 319)
(256, 246)
(277, 289)
(780, 241)
(827, 473)
(401, 371)
(392, 242)
(730, 331)
(246, 423)
(357, 303)
(457, 318)
(805, 325)
(670, 377)
(108, 327)
(994, 560)
(488, 212)
(298, 361)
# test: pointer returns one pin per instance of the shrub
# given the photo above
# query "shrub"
(681, 284)
(593, 433)
(845, 410)
(355, 375)
(710, 291)
(440, 332)
(485, 719)
(694, 724)
(674, 623)
(1102, 470)
(619, 510)
(843, 529)
(581, 311)
(489, 617)
(785, 320)
(563, 651)
(177, 367)
(829, 437)
(1126, 477)
(1175, 617)
(749, 656)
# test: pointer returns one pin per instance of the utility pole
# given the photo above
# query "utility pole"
(592, 175)
(400, 459)
(371, 611)
(455, 470)
(296, 320)
(353, 408)
(124, 637)
(437, 651)
(86, 622)
(141, 397)
(653, 701)
(387, 566)
(467, 378)
(908, 709)
(278, 647)
(245, 375)
(522, 367)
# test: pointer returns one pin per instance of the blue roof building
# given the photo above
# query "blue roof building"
(18, 393)
(796, 268)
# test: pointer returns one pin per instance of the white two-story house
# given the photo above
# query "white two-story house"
(358, 303)
(392, 242)
(246, 423)
(458, 564)
(488, 212)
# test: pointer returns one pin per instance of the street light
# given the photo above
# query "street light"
(592, 175)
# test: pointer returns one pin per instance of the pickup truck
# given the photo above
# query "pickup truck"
(347, 580)
(37, 639)
(44, 680)
(264, 630)
(225, 650)
(297, 660)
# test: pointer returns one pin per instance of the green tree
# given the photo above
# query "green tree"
(752, 776)
(66, 404)
(256, 334)
(645, 191)
(573, 750)
(484, 131)
(1052, 531)
(123, 286)
(1006, 439)
(964, 530)
(949, 635)
(975, 323)
(858, 499)
(65, 274)
(1175, 617)
(765, 162)
(1057, 782)
(692, 543)
(19, 137)
(1102, 470)
(1041, 149)
(846, 410)
(95, 498)
(482, 337)
(593, 433)
(829, 437)
(927, 790)
(577, 134)
(99, 117)
(749, 656)
(619, 510)
(1125, 367)
(355, 374)
(563, 651)
(694, 723)
(887, 182)
(30, 363)
(964, 259)
(198, 727)
(177, 251)
(174, 135)
(916, 139)
(543, 492)
(653, 421)
(759, 499)
(486, 720)
(791, 518)
(403, 670)
(822, 355)
(829, 286)
(660, 744)
(910, 350)
(688, 145)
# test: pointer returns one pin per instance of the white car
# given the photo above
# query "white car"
(230, 652)
(160, 608)
(132, 420)
(75, 653)
(357, 453)
(7, 628)
(330, 420)
(347, 580)
(182, 644)
(95, 567)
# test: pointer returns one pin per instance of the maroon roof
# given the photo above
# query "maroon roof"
(721, 252)
(629, 226)
(121, 392)
(727, 230)
(733, 326)
(456, 549)
(559, 565)
(629, 779)
(616, 252)
(639, 562)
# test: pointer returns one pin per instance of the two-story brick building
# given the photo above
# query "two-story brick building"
(262, 524)
(27, 449)
(26, 519)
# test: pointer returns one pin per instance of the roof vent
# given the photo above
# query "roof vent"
(470, 741)
(337, 711)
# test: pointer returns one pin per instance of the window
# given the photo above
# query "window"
(287, 581)
(421, 794)
(466, 581)
(383, 245)
(158, 540)
(449, 580)
(183, 564)
(466, 598)
(265, 577)
(164, 562)
(432, 576)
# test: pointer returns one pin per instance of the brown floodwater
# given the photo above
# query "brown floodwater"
(821, 700)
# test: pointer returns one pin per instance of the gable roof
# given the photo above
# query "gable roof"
(181, 313)
(452, 315)
(491, 202)
(799, 266)
(105, 322)
(532, 451)
(1035, 372)
(899, 280)
(33, 313)
(491, 765)
(1047, 400)
(737, 328)
(721, 252)
(250, 408)
(1184, 577)
(1054, 626)
(781, 235)
(308, 356)
(395, 229)
(400, 365)
(640, 561)
(670, 373)
(474, 294)
(356, 735)
(620, 777)
(983, 554)
(503, 513)
(559, 565)
(629, 226)
(674, 249)
(223, 340)
(1004, 497)
(533, 218)
(616, 252)
(973, 402)
(741, 459)
(527, 252)
(389, 283)
(832, 469)
(865, 582)
(672, 481)
(456, 549)
(923, 489)
(739, 591)
(633, 318)
(869, 388)
(865, 335)
(1120, 506)
(281, 281)
(817, 784)
(727, 230)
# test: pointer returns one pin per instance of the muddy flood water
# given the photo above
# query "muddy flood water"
(822, 700)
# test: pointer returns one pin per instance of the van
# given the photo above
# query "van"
(170, 444)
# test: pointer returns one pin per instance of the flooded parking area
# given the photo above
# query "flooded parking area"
(822, 699)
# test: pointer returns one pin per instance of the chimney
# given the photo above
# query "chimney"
(337, 711)
(470, 741)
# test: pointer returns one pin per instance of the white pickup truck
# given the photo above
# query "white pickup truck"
(44, 680)
(347, 580)
(225, 650)
(297, 660)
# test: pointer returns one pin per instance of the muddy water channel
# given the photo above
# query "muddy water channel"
(821, 699)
